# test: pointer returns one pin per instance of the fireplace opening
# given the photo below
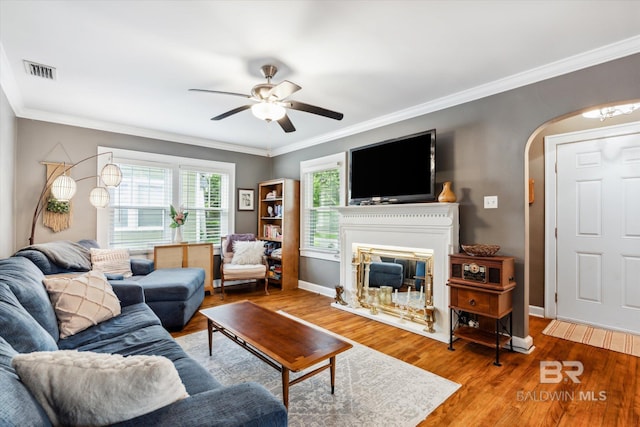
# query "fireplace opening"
(395, 280)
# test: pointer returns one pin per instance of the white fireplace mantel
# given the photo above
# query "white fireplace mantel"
(432, 226)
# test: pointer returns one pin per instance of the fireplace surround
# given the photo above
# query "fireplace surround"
(426, 227)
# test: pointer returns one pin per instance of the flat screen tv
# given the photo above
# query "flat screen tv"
(400, 170)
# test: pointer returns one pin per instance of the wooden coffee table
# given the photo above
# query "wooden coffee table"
(281, 342)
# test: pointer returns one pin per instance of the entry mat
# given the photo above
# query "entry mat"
(611, 340)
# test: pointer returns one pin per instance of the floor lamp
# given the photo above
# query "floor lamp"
(63, 187)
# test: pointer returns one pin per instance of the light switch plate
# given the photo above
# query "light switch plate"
(490, 202)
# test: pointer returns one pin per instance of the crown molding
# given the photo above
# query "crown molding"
(573, 63)
(567, 65)
(137, 131)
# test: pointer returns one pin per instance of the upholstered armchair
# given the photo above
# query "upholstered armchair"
(242, 258)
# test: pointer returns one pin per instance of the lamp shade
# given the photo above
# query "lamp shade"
(99, 197)
(63, 188)
(111, 175)
(268, 111)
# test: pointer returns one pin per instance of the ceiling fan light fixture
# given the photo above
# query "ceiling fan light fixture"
(268, 111)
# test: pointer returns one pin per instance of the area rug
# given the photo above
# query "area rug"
(596, 337)
(372, 388)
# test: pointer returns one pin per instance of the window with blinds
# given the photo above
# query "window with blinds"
(139, 207)
(323, 189)
(138, 216)
(205, 195)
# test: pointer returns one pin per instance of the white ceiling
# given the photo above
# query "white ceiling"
(125, 66)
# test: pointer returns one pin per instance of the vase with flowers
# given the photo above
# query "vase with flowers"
(178, 218)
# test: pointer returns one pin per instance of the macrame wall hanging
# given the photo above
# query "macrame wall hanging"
(57, 215)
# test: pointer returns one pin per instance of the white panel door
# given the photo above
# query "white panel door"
(598, 231)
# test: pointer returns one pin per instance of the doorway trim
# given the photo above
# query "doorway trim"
(551, 144)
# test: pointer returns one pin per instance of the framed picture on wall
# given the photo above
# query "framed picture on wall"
(246, 199)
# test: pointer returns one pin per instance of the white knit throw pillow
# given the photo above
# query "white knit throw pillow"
(94, 389)
(111, 261)
(81, 301)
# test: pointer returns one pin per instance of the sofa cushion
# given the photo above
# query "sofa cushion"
(112, 261)
(18, 407)
(235, 271)
(150, 340)
(132, 317)
(141, 266)
(106, 388)
(81, 301)
(24, 279)
(17, 326)
(247, 253)
(172, 284)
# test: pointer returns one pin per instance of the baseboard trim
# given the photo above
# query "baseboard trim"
(536, 311)
(521, 345)
(318, 289)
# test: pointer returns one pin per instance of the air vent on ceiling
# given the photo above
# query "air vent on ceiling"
(40, 70)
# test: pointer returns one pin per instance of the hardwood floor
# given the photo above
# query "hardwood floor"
(608, 393)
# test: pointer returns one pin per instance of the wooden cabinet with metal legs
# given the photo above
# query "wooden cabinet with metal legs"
(481, 301)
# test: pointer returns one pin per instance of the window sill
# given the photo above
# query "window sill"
(327, 256)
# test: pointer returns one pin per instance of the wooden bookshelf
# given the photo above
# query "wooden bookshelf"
(279, 223)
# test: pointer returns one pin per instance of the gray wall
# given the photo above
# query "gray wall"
(481, 148)
(8, 141)
(38, 141)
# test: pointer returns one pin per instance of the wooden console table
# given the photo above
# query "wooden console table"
(182, 255)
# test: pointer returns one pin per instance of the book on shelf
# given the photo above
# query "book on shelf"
(271, 231)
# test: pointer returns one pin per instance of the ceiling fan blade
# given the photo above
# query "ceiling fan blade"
(301, 106)
(283, 90)
(231, 112)
(221, 92)
(286, 125)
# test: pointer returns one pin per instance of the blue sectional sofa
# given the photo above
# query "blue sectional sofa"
(174, 294)
(28, 324)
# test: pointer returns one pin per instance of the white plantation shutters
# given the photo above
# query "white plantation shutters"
(323, 190)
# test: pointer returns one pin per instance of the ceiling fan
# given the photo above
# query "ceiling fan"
(271, 101)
